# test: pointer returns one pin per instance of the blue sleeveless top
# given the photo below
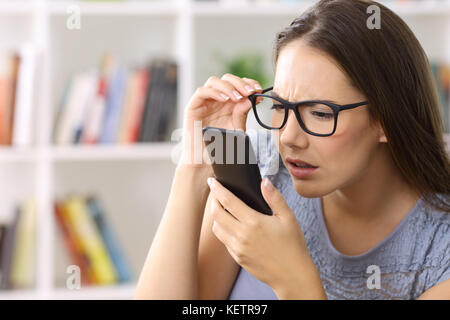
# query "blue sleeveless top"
(414, 257)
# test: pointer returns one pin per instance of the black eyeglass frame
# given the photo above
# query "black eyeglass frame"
(293, 105)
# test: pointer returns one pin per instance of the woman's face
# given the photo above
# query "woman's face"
(305, 73)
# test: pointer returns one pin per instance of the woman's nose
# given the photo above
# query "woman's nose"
(292, 134)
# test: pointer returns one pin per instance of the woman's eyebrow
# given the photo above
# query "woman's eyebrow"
(273, 93)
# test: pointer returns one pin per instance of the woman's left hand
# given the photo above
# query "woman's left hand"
(270, 247)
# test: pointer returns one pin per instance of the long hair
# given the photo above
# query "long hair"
(391, 68)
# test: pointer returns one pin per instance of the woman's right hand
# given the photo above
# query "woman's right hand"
(220, 103)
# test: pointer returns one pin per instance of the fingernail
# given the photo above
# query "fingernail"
(258, 87)
(236, 94)
(249, 89)
(267, 184)
(224, 96)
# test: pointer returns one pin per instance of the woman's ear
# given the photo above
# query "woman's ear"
(382, 136)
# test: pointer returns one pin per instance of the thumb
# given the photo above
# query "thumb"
(274, 198)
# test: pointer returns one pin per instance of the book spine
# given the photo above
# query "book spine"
(123, 270)
(77, 213)
(129, 104)
(5, 95)
(12, 99)
(150, 119)
(23, 261)
(8, 251)
(78, 257)
(114, 106)
(24, 97)
(94, 119)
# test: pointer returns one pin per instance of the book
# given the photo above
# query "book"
(153, 104)
(78, 96)
(87, 96)
(22, 133)
(95, 113)
(8, 251)
(110, 239)
(3, 229)
(137, 112)
(7, 68)
(23, 262)
(9, 116)
(113, 106)
(82, 224)
(168, 103)
(129, 103)
(74, 247)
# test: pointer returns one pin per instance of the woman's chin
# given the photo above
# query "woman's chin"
(306, 189)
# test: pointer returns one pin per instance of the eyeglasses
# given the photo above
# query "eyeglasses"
(316, 117)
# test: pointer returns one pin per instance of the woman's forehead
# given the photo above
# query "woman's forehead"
(304, 72)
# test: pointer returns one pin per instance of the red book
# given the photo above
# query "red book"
(77, 255)
(136, 120)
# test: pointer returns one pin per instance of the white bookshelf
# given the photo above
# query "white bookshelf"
(133, 181)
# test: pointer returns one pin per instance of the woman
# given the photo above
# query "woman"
(370, 220)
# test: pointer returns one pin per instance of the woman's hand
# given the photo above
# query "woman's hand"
(220, 103)
(272, 248)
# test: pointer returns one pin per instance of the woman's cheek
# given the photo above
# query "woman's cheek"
(341, 160)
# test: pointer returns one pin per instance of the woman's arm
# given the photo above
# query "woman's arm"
(440, 291)
(170, 269)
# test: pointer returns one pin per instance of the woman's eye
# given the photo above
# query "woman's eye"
(277, 106)
(322, 115)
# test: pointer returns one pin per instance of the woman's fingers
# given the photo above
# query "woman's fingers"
(225, 225)
(225, 86)
(237, 89)
(203, 93)
(244, 87)
(255, 84)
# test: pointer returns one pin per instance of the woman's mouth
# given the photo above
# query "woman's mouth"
(299, 168)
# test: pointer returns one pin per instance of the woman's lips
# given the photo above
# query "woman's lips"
(299, 172)
(298, 161)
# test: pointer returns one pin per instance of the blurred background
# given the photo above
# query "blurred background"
(87, 153)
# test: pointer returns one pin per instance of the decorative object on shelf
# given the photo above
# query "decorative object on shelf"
(248, 64)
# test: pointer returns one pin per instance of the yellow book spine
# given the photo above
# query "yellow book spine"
(23, 260)
(91, 242)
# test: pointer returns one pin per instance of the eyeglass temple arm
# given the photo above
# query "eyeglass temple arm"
(353, 105)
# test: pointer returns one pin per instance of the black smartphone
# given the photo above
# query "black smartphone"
(233, 161)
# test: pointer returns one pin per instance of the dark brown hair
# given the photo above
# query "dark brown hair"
(389, 66)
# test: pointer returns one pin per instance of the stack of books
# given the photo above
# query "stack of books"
(17, 248)
(116, 105)
(17, 79)
(91, 242)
